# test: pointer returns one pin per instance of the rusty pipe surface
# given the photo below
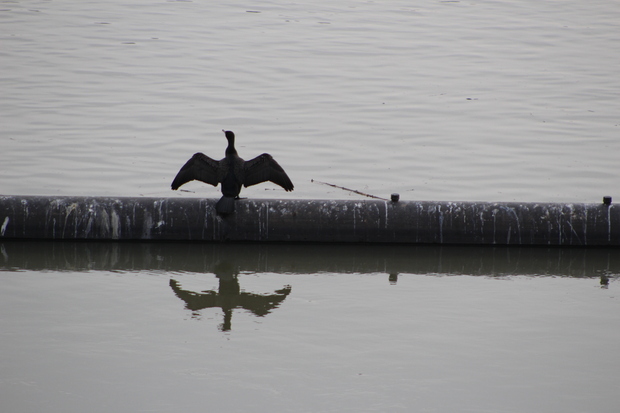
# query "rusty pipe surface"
(346, 221)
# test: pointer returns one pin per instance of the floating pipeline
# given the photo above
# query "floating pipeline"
(331, 221)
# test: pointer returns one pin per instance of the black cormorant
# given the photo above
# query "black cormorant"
(232, 172)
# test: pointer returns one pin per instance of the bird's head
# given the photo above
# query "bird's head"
(229, 134)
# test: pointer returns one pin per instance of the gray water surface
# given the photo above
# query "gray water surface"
(171, 327)
(435, 100)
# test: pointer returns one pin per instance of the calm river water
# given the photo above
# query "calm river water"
(435, 100)
(121, 327)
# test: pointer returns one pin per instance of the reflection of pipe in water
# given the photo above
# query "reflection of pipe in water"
(229, 296)
(309, 258)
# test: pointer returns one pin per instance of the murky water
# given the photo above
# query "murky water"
(171, 327)
(435, 100)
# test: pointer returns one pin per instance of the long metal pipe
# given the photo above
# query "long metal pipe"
(273, 220)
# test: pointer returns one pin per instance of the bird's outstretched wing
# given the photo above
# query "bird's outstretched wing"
(199, 167)
(265, 168)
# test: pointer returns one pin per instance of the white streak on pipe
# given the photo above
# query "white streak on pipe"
(609, 223)
(4, 225)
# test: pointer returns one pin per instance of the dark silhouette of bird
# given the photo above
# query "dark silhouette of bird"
(231, 172)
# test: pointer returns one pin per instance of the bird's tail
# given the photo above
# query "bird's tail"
(225, 206)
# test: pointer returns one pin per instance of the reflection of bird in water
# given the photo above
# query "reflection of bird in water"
(604, 281)
(229, 296)
(232, 172)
